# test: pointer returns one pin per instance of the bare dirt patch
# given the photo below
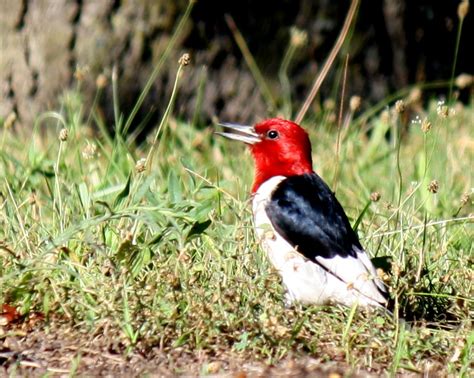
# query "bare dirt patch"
(35, 348)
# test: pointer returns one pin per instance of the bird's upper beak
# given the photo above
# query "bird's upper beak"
(241, 133)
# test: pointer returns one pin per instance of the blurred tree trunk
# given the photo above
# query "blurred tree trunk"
(35, 54)
(43, 43)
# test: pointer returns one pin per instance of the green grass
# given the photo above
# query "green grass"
(167, 257)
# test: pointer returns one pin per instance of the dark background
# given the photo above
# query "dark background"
(394, 44)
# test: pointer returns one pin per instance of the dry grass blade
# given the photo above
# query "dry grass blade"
(327, 65)
(249, 59)
(339, 126)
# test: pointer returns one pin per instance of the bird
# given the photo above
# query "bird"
(300, 224)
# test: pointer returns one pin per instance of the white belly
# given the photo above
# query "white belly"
(305, 281)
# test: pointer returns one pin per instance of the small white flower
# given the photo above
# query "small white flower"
(140, 166)
(416, 121)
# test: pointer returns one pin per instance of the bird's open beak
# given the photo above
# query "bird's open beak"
(241, 133)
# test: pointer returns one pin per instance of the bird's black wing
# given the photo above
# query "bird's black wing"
(305, 212)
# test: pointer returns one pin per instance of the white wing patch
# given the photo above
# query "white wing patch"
(338, 280)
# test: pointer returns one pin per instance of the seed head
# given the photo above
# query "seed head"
(415, 95)
(184, 60)
(354, 103)
(442, 109)
(89, 151)
(464, 80)
(140, 166)
(126, 235)
(425, 125)
(329, 104)
(463, 9)
(101, 81)
(10, 121)
(63, 134)
(465, 199)
(81, 72)
(433, 187)
(396, 270)
(400, 106)
(375, 196)
(385, 117)
(382, 274)
(298, 37)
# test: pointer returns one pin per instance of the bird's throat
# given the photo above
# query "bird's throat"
(264, 172)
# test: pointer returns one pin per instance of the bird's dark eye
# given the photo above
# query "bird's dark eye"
(272, 134)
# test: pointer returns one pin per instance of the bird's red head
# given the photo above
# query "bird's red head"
(279, 148)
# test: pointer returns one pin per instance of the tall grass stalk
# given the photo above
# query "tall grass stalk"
(329, 61)
(461, 17)
(298, 38)
(252, 64)
(57, 186)
(164, 57)
(164, 119)
(339, 126)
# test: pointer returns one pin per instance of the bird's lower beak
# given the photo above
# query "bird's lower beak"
(241, 133)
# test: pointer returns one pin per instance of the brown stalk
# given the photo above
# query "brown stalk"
(251, 63)
(339, 125)
(330, 60)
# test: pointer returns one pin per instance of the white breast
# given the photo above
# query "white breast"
(305, 281)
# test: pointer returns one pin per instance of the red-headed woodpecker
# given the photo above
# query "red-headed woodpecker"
(300, 223)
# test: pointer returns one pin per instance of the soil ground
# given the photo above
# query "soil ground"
(36, 348)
